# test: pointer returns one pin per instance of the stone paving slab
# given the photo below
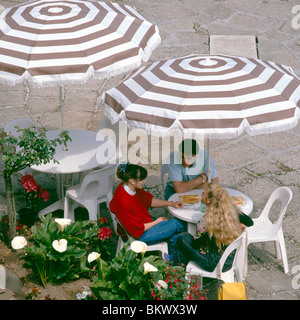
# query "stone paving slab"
(240, 45)
(254, 165)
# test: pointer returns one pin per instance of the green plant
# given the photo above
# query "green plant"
(29, 148)
(103, 242)
(58, 249)
(177, 286)
(32, 294)
(128, 276)
(133, 276)
(5, 230)
(33, 194)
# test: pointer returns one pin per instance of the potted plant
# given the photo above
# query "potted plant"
(29, 148)
(33, 194)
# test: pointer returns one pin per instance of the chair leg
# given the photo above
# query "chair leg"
(57, 186)
(68, 210)
(98, 210)
(93, 211)
(281, 245)
(278, 250)
(120, 244)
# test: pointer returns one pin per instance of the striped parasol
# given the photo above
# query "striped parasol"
(212, 96)
(54, 42)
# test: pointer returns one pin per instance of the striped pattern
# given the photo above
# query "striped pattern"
(54, 42)
(218, 97)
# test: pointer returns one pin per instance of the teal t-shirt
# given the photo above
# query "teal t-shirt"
(177, 172)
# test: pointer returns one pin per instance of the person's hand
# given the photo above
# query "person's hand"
(160, 219)
(178, 204)
(204, 178)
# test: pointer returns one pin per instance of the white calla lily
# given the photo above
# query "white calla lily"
(93, 256)
(18, 242)
(60, 245)
(162, 284)
(63, 222)
(149, 268)
(138, 246)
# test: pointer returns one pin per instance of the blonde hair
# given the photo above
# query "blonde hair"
(221, 216)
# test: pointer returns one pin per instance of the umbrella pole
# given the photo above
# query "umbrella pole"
(61, 94)
(208, 162)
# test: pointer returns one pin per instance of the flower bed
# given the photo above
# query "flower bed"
(59, 254)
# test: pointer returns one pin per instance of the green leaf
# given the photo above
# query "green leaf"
(61, 269)
(71, 252)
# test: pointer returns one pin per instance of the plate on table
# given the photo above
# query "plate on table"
(238, 200)
(190, 199)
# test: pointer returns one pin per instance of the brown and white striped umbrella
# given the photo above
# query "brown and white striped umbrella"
(213, 96)
(54, 42)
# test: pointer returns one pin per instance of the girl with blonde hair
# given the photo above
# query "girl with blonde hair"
(223, 223)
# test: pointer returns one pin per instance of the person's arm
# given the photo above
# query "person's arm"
(158, 203)
(184, 186)
(149, 225)
(245, 220)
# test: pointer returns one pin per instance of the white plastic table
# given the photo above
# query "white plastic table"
(81, 155)
(192, 214)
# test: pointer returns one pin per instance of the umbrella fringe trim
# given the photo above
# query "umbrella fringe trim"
(111, 71)
(84, 78)
(152, 44)
(196, 133)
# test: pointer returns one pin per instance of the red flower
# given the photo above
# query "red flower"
(43, 194)
(105, 233)
(29, 183)
(34, 191)
(103, 220)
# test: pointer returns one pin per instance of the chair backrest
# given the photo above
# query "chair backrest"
(285, 195)
(240, 246)
(120, 230)
(119, 129)
(22, 123)
(163, 173)
(98, 183)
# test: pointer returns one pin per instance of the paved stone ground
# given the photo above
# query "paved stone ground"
(254, 165)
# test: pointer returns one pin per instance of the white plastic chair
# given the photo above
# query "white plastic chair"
(264, 230)
(163, 173)
(96, 187)
(106, 124)
(236, 272)
(162, 246)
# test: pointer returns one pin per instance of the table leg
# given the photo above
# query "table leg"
(191, 228)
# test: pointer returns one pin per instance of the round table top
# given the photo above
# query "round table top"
(192, 213)
(81, 154)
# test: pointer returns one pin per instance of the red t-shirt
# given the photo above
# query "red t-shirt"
(132, 210)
